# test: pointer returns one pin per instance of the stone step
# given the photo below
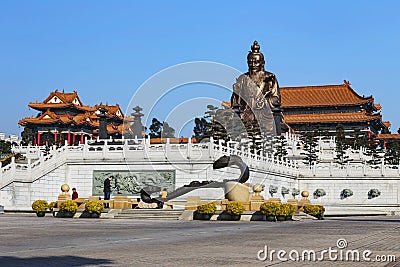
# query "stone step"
(299, 216)
(146, 217)
(149, 214)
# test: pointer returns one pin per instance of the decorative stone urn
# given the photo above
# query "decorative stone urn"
(64, 195)
(305, 194)
(257, 189)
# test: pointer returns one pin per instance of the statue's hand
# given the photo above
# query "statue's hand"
(276, 103)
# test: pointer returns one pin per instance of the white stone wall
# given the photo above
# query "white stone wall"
(388, 201)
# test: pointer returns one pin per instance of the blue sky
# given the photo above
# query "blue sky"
(106, 49)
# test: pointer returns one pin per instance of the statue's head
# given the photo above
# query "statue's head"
(255, 59)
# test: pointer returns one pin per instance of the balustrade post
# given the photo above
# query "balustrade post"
(105, 148)
(13, 166)
(29, 167)
(383, 167)
(314, 168)
(125, 148)
(167, 147)
(189, 148)
(146, 147)
(85, 149)
(348, 169)
(330, 168)
(220, 146)
(211, 147)
(364, 168)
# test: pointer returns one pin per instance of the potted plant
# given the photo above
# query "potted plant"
(235, 209)
(281, 212)
(68, 208)
(94, 208)
(269, 209)
(205, 211)
(40, 207)
(315, 210)
(290, 210)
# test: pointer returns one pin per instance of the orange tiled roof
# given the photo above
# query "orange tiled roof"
(58, 99)
(322, 95)
(66, 98)
(50, 117)
(386, 123)
(330, 117)
(388, 136)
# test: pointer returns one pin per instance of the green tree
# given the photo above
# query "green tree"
(359, 139)
(372, 150)
(202, 129)
(310, 147)
(167, 131)
(280, 147)
(341, 145)
(26, 136)
(5, 147)
(392, 154)
(161, 129)
(385, 131)
(155, 128)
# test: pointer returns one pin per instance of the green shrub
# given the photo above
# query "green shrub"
(208, 208)
(69, 206)
(40, 205)
(235, 208)
(52, 205)
(94, 206)
(314, 210)
(270, 208)
(288, 210)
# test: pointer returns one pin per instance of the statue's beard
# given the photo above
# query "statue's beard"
(257, 77)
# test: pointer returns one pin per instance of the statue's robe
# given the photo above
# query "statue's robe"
(256, 98)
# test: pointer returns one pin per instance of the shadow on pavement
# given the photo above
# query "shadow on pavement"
(58, 261)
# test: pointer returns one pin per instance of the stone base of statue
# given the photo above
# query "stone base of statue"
(293, 202)
(63, 197)
(235, 191)
(144, 205)
(256, 201)
(274, 200)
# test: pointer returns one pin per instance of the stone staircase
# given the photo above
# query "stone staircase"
(300, 216)
(149, 214)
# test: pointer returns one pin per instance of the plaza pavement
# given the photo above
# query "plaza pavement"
(26, 240)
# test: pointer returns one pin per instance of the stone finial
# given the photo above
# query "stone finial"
(65, 188)
(305, 194)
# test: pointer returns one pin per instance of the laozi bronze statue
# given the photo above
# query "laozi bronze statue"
(256, 95)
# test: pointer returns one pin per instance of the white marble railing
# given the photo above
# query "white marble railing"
(41, 160)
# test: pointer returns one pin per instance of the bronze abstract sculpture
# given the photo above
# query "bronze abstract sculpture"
(256, 94)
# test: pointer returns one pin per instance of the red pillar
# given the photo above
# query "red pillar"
(73, 139)
(69, 138)
(81, 138)
(38, 138)
(55, 137)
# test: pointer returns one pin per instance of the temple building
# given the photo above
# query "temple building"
(325, 106)
(63, 118)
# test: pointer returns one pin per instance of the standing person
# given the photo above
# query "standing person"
(164, 194)
(107, 190)
(74, 194)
